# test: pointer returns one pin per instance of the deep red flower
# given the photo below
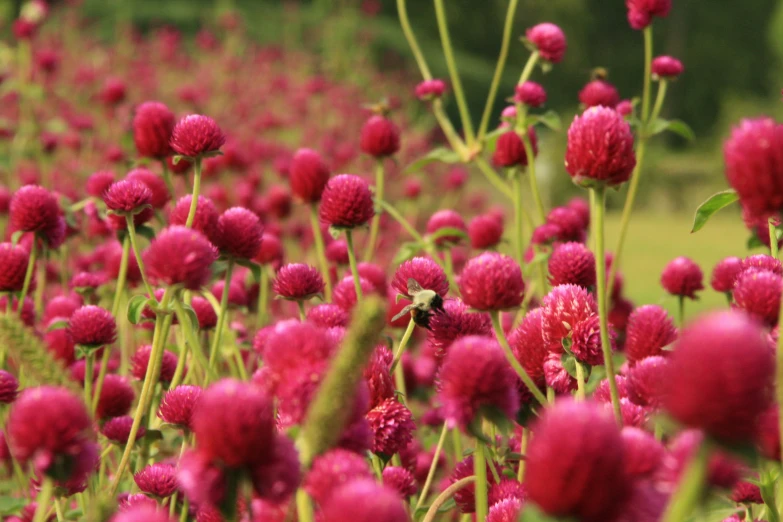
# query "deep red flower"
(113, 91)
(88, 281)
(757, 292)
(505, 489)
(160, 193)
(178, 404)
(649, 330)
(600, 148)
(344, 292)
(278, 479)
(337, 252)
(562, 308)
(446, 219)
(492, 281)
(725, 273)
(400, 480)
(328, 315)
(201, 479)
(767, 435)
(643, 454)
(196, 135)
(92, 326)
(271, 251)
(485, 231)
(308, 175)
(180, 255)
(428, 90)
(455, 322)
(682, 277)
(531, 94)
(723, 470)
(599, 93)
(528, 345)
(746, 493)
(206, 219)
(549, 40)
(510, 150)
(720, 376)
(641, 12)
(13, 266)
(572, 263)
(333, 469)
(140, 360)
(569, 223)
(116, 397)
(380, 137)
(575, 464)
(556, 376)
(33, 209)
(153, 124)
(645, 381)
(507, 510)
(364, 501)
(9, 387)
(392, 425)
(667, 67)
(240, 233)
(424, 271)
(586, 341)
(346, 202)
(60, 344)
(158, 480)
(298, 281)
(126, 196)
(476, 375)
(763, 262)
(374, 273)
(205, 313)
(142, 513)
(466, 496)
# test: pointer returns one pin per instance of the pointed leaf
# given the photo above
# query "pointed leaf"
(407, 251)
(16, 236)
(681, 128)
(549, 119)
(136, 306)
(711, 206)
(491, 140)
(145, 231)
(191, 313)
(441, 154)
(254, 268)
(448, 232)
(57, 325)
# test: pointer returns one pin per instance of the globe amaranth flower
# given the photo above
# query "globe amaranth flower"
(206, 217)
(757, 292)
(308, 175)
(87, 281)
(492, 282)
(446, 219)
(575, 466)
(530, 93)
(392, 425)
(200, 479)
(400, 480)
(456, 321)
(333, 469)
(586, 341)
(510, 150)
(9, 387)
(507, 510)
(154, 182)
(569, 225)
(641, 12)
(648, 331)
(763, 262)
(572, 263)
(239, 233)
(725, 273)
(128, 198)
(528, 345)
(753, 155)
(140, 362)
(158, 480)
(476, 375)
(337, 252)
(117, 429)
(549, 40)
(346, 202)
(364, 501)
(505, 489)
(328, 315)
(271, 251)
(140, 513)
(682, 277)
(278, 479)
(599, 93)
(344, 292)
(428, 90)
(645, 381)
(562, 308)
(92, 326)
(116, 397)
(600, 148)
(556, 376)
(379, 137)
(196, 135)
(666, 67)
(643, 454)
(485, 231)
(180, 255)
(33, 209)
(424, 271)
(624, 108)
(153, 124)
(720, 376)
(745, 492)
(465, 497)
(298, 282)
(13, 266)
(374, 273)
(178, 404)
(113, 91)
(233, 423)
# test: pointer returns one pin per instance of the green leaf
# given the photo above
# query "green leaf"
(711, 206)
(74, 514)
(11, 505)
(678, 127)
(335, 232)
(491, 140)
(540, 257)
(440, 154)
(145, 231)
(254, 268)
(754, 242)
(136, 306)
(179, 157)
(16, 236)
(191, 313)
(448, 232)
(153, 435)
(569, 363)
(57, 325)
(407, 251)
(532, 513)
(549, 119)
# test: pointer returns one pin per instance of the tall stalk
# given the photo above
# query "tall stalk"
(352, 262)
(320, 251)
(375, 226)
(221, 321)
(196, 190)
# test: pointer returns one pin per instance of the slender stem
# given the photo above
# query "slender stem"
(263, 295)
(399, 381)
(648, 52)
(137, 254)
(662, 85)
(302, 314)
(304, 507)
(320, 251)
(167, 178)
(43, 499)
(531, 173)
(58, 510)
(403, 343)
(501, 64)
(529, 65)
(376, 220)
(433, 466)
(456, 441)
(89, 371)
(40, 280)
(597, 214)
(779, 385)
(192, 339)
(448, 130)
(495, 315)
(444, 497)
(681, 310)
(580, 381)
(352, 261)
(221, 322)
(28, 277)
(480, 470)
(456, 83)
(493, 177)
(183, 355)
(449, 268)
(522, 450)
(402, 12)
(518, 227)
(196, 190)
(399, 218)
(690, 489)
(773, 239)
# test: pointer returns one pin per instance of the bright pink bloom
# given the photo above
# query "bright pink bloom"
(346, 202)
(549, 40)
(667, 67)
(492, 281)
(153, 124)
(180, 255)
(599, 93)
(196, 135)
(380, 137)
(649, 330)
(308, 175)
(682, 277)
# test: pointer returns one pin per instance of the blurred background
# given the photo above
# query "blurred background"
(732, 52)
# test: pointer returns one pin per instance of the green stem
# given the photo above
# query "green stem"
(773, 239)
(167, 178)
(689, 492)
(522, 450)
(183, 355)
(456, 83)
(43, 499)
(58, 510)
(192, 339)
(444, 497)
(389, 209)
(531, 173)
(507, 29)
(376, 220)
(302, 314)
(137, 254)
(456, 441)
(580, 381)
(352, 261)
(681, 310)
(28, 277)
(597, 214)
(480, 470)
(662, 85)
(196, 190)
(263, 295)
(89, 370)
(304, 507)
(403, 343)
(518, 227)
(449, 268)
(320, 251)
(495, 315)
(40, 280)
(493, 177)
(648, 52)
(529, 65)
(221, 322)
(433, 466)
(402, 12)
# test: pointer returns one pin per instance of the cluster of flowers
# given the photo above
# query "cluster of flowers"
(154, 369)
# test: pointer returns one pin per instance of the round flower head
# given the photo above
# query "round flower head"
(126, 501)
(682, 277)
(762, 262)
(239, 233)
(475, 375)
(549, 41)
(400, 480)
(346, 202)
(746, 493)
(666, 67)
(600, 148)
(528, 345)
(364, 501)
(116, 397)
(757, 292)
(87, 281)
(492, 281)
(155, 183)
(643, 453)
(505, 489)
(575, 463)
(207, 318)
(206, 219)
(298, 281)
(624, 108)
(92, 326)
(569, 226)
(128, 197)
(178, 404)
(753, 155)
(271, 251)
(98, 182)
(466, 496)
(328, 315)
(445, 219)
(725, 273)
(196, 135)
(180, 255)
(485, 231)
(428, 90)
(13, 265)
(531, 94)
(641, 12)
(375, 274)
(337, 252)
(648, 331)
(113, 91)
(586, 341)
(510, 150)
(392, 426)
(141, 513)
(507, 510)
(556, 376)
(158, 480)
(233, 423)
(380, 137)
(333, 469)
(599, 93)
(117, 429)
(33, 209)
(644, 381)
(344, 292)
(424, 271)
(308, 174)
(140, 361)
(9, 387)
(278, 479)
(563, 307)
(456, 321)
(720, 376)
(153, 123)
(572, 263)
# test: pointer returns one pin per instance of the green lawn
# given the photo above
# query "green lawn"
(656, 239)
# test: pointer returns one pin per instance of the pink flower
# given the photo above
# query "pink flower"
(13, 266)
(92, 326)
(531, 94)
(682, 277)
(549, 40)
(178, 404)
(333, 469)
(492, 281)
(196, 135)
(572, 263)
(428, 90)
(599, 93)
(641, 12)
(563, 307)
(649, 330)
(446, 219)
(392, 426)
(725, 273)
(757, 292)
(153, 124)
(179, 255)
(158, 480)
(308, 175)
(510, 150)
(424, 271)
(346, 202)
(33, 209)
(485, 231)
(298, 281)
(667, 67)
(380, 137)
(364, 501)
